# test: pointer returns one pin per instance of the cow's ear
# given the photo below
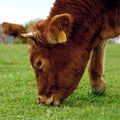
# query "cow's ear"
(59, 28)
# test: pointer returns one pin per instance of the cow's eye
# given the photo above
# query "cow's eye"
(38, 64)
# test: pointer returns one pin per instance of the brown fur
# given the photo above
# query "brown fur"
(59, 65)
(12, 29)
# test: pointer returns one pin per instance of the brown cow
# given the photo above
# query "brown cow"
(12, 29)
(61, 46)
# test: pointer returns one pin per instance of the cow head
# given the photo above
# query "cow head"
(55, 63)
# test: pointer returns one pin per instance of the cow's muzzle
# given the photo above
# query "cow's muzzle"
(51, 100)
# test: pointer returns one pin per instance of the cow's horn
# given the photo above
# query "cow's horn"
(28, 35)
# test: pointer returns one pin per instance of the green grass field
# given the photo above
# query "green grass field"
(18, 93)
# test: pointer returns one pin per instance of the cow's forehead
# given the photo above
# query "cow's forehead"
(40, 50)
(40, 26)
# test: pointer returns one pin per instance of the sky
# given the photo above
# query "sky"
(23, 11)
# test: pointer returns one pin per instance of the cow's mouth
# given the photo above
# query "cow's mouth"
(51, 100)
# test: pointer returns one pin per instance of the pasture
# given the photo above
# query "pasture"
(18, 94)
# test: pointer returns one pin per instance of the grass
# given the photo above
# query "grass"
(18, 90)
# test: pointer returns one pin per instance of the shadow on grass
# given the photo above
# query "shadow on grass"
(89, 99)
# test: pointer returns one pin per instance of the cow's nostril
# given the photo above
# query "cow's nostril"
(39, 101)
